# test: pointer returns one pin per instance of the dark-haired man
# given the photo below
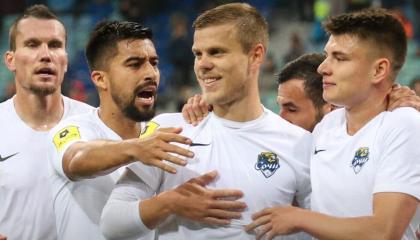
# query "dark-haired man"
(37, 56)
(253, 149)
(88, 148)
(365, 169)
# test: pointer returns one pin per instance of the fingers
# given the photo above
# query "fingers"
(224, 214)
(262, 220)
(216, 221)
(263, 230)
(227, 193)
(231, 205)
(195, 110)
(408, 101)
(170, 130)
(163, 166)
(173, 137)
(205, 179)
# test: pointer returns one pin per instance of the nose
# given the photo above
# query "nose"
(204, 63)
(45, 53)
(151, 72)
(323, 68)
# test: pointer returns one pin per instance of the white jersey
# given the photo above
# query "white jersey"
(383, 156)
(78, 204)
(25, 192)
(266, 158)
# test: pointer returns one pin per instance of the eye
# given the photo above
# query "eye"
(55, 44)
(31, 44)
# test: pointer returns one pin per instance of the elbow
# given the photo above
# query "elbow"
(73, 166)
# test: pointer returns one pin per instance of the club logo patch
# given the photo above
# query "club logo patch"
(360, 158)
(66, 135)
(150, 128)
(267, 163)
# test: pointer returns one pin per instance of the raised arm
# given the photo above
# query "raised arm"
(89, 159)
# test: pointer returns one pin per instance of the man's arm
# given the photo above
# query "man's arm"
(89, 159)
(191, 200)
(392, 213)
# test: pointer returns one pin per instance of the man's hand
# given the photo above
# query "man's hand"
(195, 110)
(156, 148)
(402, 96)
(192, 200)
(271, 222)
(3, 237)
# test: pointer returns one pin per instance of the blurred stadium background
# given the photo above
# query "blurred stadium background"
(295, 28)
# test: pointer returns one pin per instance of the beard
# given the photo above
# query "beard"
(129, 108)
(42, 91)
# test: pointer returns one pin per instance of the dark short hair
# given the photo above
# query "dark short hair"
(377, 25)
(251, 26)
(104, 38)
(305, 68)
(38, 11)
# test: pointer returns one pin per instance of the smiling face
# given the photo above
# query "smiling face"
(221, 66)
(347, 70)
(40, 58)
(134, 77)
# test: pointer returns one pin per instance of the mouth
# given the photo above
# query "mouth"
(147, 95)
(210, 81)
(45, 72)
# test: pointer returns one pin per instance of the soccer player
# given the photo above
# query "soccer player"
(37, 56)
(86, 149)
(300, 95)
(251, 148)
(365, 171)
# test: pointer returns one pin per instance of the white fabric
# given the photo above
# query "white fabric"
(343, 189)
(78, 204)
(25, 191)
(233, 151)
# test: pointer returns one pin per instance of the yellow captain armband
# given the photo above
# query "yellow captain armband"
(66, 135)
(150, 128)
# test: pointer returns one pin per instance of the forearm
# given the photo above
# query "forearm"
(95, 158)
(333, 228)
(155, 210)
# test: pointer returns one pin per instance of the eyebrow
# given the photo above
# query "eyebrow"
(288, 104)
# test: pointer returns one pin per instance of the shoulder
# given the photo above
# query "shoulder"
(170, 120)
(278, 124)
(6, 106)
(403, 119)
(330, 121)
(73, 107)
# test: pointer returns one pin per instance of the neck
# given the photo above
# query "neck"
(360, 114)
(246, 109)
(39, 112)
(112, 117)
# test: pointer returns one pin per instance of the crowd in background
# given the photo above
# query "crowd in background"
(171, 22)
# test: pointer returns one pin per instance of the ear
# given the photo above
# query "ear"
(9, 60)
(258, 53)
(382, 70)
(99, 79)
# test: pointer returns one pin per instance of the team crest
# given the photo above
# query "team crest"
(267, 163)
(360, 158)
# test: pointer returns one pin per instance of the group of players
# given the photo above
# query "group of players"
(70, 171)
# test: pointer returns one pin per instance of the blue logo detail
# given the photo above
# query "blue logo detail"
(267, 163)
(360, 158)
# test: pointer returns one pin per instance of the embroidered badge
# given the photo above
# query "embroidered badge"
(150, 128)
(65, 136)
(360, 158)
(267, 163)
